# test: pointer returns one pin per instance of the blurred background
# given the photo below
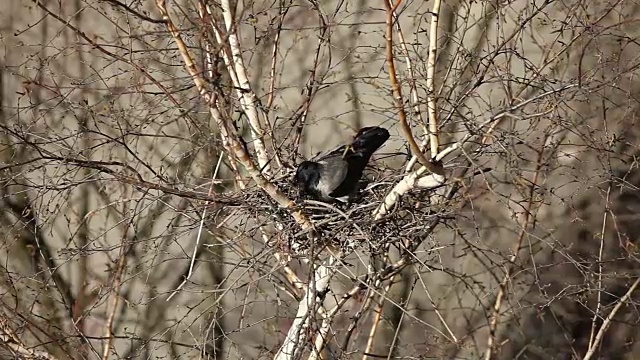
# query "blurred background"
(113, 171)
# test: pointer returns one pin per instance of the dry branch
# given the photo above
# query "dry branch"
(377, 316)
(529, 217)
(117, 282)
(397, 95)
(596, 314)
(248, 99)
(607, 322)
(233, 144)
(11, 340)
(410, 181)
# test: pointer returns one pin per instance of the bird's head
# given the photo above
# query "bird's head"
(371, 137)
(307, 176)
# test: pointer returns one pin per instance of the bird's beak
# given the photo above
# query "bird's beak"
(346, 150)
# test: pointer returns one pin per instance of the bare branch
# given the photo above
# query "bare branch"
(397, 94)
(248, 98)
(10, 339)
(412, 180)
(607, 322)
(230, 138)
(431, 70)
(297, 335)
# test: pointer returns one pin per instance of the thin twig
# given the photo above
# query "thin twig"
(12, 341)
(322, 338)
(312, 81)
(199, 236)
(596, 315)
(376, 321)
(283, 10)
(415, 100)
(495, 313)
(116, 298)
(435, 307)
(134, 12)
(356, 318)
(230, 139)
(406, 299)
(607, 322)
(212, 73)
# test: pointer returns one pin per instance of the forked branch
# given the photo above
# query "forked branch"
(397, 96)
(230, 138)
(607, 322)
(248, 99)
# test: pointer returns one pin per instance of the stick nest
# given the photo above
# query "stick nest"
(344, 226)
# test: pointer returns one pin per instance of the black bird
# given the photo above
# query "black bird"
(335, 175)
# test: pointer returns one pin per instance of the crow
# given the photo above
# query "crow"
(335, 176)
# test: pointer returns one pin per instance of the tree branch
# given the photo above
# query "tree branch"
(431, 69)
(397, 92)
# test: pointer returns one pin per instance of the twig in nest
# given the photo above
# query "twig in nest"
(329, 206)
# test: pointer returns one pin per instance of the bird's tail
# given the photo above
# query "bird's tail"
(368, 140)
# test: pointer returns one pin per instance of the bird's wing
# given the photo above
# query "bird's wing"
(334, 171)
(342, 167)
